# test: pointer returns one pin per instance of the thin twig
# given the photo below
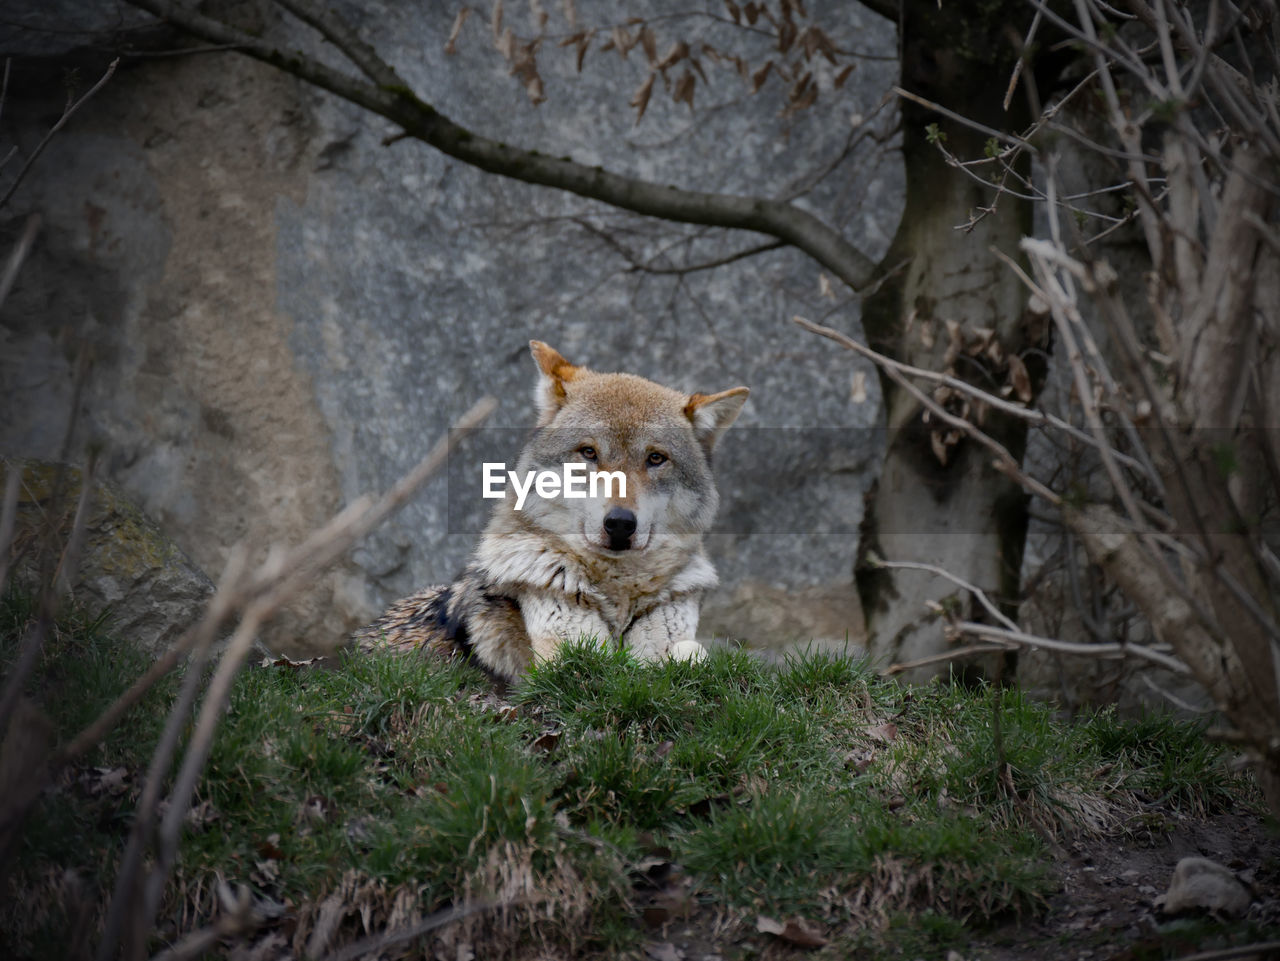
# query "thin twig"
(376, 942)
(960, 652)
(19, 254)
(991, 632)
(259, 596)
(973, 589)
(62, 122)
(1006, 462)
(965, 121)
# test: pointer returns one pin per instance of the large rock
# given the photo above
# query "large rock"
(283, 313)
(127, 569)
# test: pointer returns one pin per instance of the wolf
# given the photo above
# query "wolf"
(627, 564)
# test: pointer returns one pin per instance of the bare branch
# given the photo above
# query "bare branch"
(421, 121)
(259, 595)
(16, 257)
(62, 122)
(979, 594)
(975, 629)
(1006, 462)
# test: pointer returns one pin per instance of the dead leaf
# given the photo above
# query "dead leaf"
(270, 848)
(200, 816)
(786, 33)
(939, 447)
(265, 872)
(109, 780)
(546, 741)
(886, 732)
(683, 92)
(315, 808)
(640, 100)
(955, 344)
(859, 761)
(537, 14)
(1019, 378)
(767, 925)
(656, 915)
(663, 951)
(758, 78)
(649, 43)
(797, 931)
(859, 393)
(663, 749)
(450, 47)
(678, 51)
(622, 40)
(583, 43)
(495, 21)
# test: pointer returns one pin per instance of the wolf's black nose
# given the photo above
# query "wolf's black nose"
(619, 524)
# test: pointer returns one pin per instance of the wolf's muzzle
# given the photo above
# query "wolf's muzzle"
(619, 525)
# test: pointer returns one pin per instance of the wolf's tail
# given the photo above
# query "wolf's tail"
(418, 621)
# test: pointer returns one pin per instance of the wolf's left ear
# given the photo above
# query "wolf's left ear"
(712, 414)
(550, 393)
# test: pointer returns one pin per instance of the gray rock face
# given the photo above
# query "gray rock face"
(284, 313)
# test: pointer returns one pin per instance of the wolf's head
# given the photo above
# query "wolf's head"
(660, 440)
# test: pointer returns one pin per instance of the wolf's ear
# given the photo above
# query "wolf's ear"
(549, 394)
(712, 414)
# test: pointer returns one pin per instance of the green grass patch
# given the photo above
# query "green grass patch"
(403, 784)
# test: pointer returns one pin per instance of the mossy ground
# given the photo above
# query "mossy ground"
(602, 803)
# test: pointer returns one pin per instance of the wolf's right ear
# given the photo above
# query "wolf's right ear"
(711, 414)
(549, 394)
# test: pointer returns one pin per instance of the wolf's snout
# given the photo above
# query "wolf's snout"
(619, 524)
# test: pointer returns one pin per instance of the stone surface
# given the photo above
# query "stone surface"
(283, 313)
(149, 588)
(1199, 884)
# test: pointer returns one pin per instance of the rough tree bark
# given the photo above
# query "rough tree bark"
(961, 514)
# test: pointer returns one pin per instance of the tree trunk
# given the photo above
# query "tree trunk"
(938, 501)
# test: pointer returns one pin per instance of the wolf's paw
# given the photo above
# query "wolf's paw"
(687, 651)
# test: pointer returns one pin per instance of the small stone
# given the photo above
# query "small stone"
(1199, 883)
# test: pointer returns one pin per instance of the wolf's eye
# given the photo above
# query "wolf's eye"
(587, 452)
(655, 458)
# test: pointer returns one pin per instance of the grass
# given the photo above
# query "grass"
(394, 786)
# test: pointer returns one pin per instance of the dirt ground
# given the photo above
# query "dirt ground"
(1104, 909)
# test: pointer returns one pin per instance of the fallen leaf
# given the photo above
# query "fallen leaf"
(663, 951)
(886, 732)
(797, 931)
(270, 848)
(656, 915)
(546, 741)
